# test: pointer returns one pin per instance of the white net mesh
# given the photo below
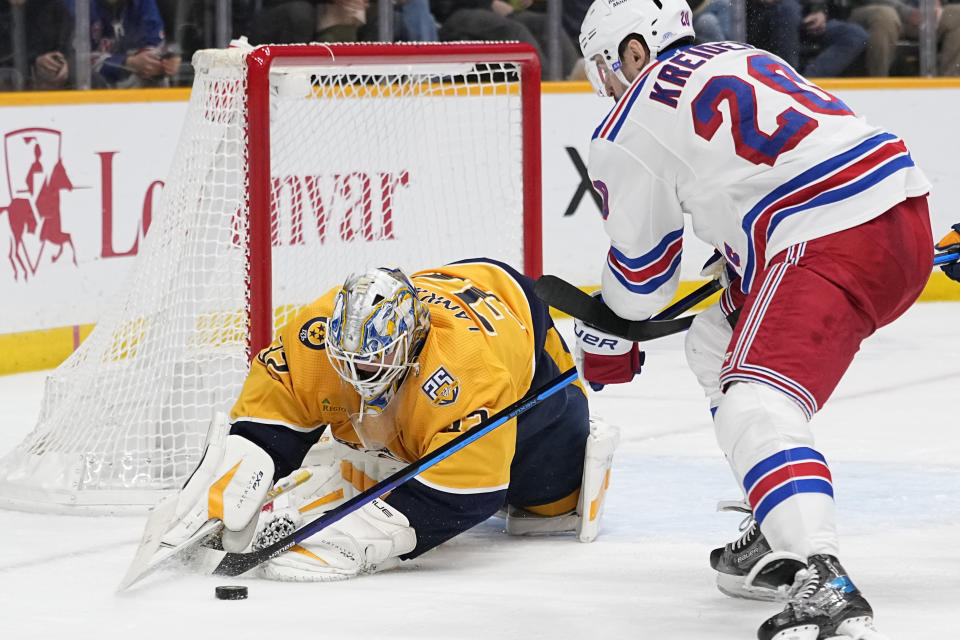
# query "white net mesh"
(397, 163)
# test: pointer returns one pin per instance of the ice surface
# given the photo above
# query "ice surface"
(891, 433)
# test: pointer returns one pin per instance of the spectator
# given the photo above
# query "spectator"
(835, 43)
(774, 25)
(413, 22)
(284, 22)
(340, 20)
(127, 44)
(48, 28)
(887, 21)
(711, 20)
(293, 21)
(500, 20)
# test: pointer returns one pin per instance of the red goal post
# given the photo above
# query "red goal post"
(296, 165)
(259, 64)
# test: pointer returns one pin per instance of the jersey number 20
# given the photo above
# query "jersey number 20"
(749, 141)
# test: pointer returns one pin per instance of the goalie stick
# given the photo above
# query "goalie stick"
(234, 564)
(945, 258)
(562, 295)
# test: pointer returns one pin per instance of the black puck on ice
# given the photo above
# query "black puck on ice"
(231, 592)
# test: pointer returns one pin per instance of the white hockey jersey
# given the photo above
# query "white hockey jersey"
(756, 155)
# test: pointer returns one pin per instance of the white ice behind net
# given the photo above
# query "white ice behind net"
(399, 164)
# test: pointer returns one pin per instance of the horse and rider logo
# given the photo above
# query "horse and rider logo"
(35, 177)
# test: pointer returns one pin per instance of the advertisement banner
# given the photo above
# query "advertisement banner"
(79, 184)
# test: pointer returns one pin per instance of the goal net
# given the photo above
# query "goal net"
(296, 165)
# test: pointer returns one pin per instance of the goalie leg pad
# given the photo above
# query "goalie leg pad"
(369, 540)
(584, 519)
(521, 522)
(598, 459)
(230, 484)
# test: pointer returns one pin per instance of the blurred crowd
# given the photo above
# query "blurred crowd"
(147, 43)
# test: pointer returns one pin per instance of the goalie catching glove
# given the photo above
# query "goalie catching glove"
(368, 540)
(230, 484)
(603, 358)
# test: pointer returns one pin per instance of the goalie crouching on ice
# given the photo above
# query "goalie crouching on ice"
(393, 368)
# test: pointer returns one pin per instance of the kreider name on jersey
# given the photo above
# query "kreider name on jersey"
(684, 62)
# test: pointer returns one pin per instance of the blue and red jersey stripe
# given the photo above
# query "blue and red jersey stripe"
(785, 474)
(838, 178)
(648, 272)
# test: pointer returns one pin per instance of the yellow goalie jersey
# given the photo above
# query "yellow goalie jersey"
(479, 357)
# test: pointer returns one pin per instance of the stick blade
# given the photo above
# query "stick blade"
(565, 297)
(234, 564)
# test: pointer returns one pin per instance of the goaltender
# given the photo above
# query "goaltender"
(392, 368)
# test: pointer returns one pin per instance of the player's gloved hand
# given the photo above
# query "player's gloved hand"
(369, 540)
(604, 359)
(230, 483)
(950, 244)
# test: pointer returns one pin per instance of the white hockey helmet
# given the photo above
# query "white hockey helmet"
(375, 334)
(608, 22)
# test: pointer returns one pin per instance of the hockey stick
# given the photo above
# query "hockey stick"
(945, 258)
(573, 301)
(234, 564)
(152, 553)
(562, 295)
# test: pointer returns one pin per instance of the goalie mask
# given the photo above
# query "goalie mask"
(375, 334)
(608, 23)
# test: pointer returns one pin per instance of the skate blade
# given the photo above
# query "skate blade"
(800, 632)
(735, 587)
(859, 628)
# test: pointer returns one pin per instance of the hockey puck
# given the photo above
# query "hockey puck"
(231, 592)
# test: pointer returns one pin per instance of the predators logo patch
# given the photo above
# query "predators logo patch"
(442, 388)
(314, 333)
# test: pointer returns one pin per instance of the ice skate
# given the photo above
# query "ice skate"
(738, 563)
(823, 604)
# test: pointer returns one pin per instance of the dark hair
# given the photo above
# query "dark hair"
(682, 42)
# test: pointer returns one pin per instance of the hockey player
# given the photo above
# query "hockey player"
(394, 368)
(824, 220)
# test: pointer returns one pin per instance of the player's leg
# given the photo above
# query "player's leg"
(948, 30)
(736, 563)
(799, 331)
(884, 29)
(705, 344)
(763, 429)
